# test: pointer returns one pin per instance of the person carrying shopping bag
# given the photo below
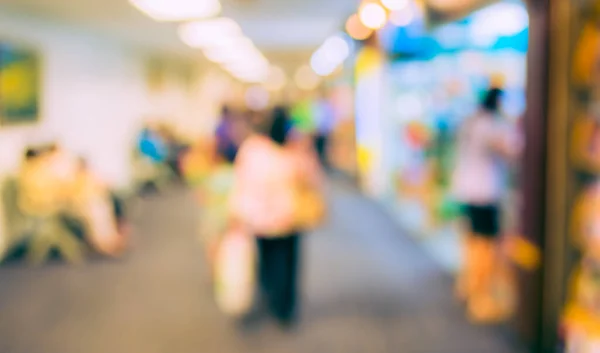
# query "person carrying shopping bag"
(277, 178)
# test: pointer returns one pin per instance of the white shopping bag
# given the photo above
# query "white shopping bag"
(235, 273)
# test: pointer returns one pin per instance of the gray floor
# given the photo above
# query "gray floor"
(367, 288)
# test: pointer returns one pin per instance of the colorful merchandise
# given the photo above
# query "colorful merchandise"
(585, 60)
(585, 144)
(582, 314)
(418, 134)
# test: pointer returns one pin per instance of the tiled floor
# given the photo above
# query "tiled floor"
(367, 288)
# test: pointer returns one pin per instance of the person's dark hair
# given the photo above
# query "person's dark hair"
(226, 154)
(279, 125)
(225, 111)
(38, 151)
(491, 100)
(31, 153)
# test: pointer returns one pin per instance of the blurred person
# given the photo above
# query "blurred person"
(223, 134)
(42, 196)
(197, 161)
(175, 150)
(51, 192)
(152, 152)
(486, 142)
(242, 127)
(85, 175)
(101, 210)
(268, 168)
(152, 145)
(324, 119)
(44, 179)
(216, 186)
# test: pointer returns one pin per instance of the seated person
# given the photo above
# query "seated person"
(102, 212)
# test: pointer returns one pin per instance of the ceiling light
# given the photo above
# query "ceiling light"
(395, 4)
(336, 48)
(402, 17)
(220, 56)
(330, 55)
(177, 10)
(235, 54)
(210, 32)
(240, 43)
(321, 65)
(356, 29)
(372, 15)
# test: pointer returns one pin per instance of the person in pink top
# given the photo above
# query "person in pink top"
(267, 168)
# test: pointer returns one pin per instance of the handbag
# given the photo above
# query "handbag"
(311, 209)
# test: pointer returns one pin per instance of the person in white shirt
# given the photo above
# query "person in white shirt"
(486, 143)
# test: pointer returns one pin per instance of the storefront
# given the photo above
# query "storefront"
(431, 82)
(436, 69)
(369, 85)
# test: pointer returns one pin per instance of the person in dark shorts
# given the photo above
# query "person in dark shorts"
(486, 142)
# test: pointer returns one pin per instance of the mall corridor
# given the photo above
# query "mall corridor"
(367, 289)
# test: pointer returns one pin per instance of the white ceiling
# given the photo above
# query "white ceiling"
(274, 25)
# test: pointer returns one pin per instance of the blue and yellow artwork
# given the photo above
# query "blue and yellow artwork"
(19, 85)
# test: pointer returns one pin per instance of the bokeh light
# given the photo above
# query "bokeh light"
(201, 34)
(395, 4)
(336, 49)
(331, 54)
(495, 21)
(177, 10)
(356, 29)
(224, 43)
(372, 15)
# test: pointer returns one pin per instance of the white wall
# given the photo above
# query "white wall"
(94, 97)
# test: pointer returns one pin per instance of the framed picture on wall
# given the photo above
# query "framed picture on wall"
(19, 85)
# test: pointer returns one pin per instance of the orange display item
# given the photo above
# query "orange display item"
(586, 70)
(585, 144)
